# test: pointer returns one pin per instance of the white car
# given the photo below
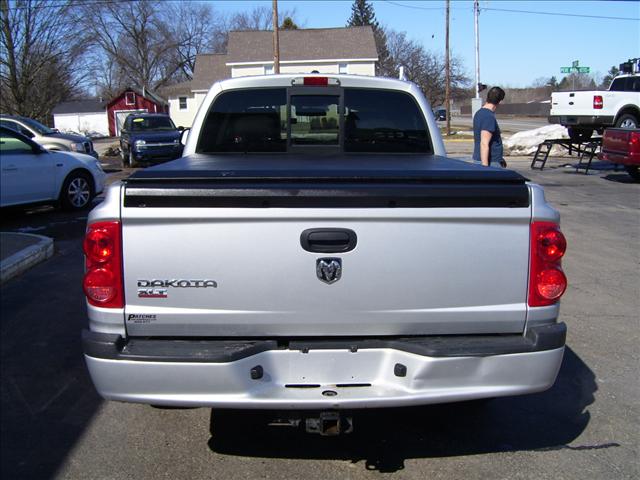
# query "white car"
(30, 174)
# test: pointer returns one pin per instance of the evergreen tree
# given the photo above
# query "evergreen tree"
(362, 14)
(288, 24)
(611, 74)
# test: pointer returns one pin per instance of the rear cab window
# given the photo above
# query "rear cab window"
(625, 84)
(352, 120)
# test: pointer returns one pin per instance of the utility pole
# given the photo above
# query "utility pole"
(276, 40)
(476, 103)
(476, 12)
(447, 73)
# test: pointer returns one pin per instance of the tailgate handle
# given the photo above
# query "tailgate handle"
(328, 240)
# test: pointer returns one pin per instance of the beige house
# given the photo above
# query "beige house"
(350, 50)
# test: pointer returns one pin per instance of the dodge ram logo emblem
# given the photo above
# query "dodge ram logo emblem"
(329, 270)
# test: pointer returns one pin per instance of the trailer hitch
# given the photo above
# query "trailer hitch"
(329, 423)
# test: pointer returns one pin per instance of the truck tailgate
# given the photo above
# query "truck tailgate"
(573, 103)
(221, 255)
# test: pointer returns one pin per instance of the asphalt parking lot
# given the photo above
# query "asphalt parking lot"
(54, 425)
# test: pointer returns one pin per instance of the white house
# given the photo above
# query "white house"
(350, 50)
(88, 117)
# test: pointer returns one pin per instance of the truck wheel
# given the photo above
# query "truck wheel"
(77, 191)
(579, 135)
(627, 121)
(634, 171)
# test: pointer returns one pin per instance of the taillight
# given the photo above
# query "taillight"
(597, 102)
(317, 81)
(551, 245)
(98, 244)
(547, 281)
(634, 142)
(102, 282)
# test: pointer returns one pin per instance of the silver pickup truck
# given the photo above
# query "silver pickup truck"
(315, 250)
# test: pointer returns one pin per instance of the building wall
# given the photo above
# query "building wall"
(184, 118)
(91, 124)
(353, 68)
(362, 68)
(241, 71)
(119, 104)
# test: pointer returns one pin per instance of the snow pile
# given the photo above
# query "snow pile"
(526, 142)
(85, 133)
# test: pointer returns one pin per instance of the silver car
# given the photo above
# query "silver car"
(49, 138)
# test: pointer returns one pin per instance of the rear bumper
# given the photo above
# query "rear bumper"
(623, 159)
(358, 373)
(582, 120)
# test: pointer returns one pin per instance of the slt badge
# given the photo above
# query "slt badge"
(329, 270)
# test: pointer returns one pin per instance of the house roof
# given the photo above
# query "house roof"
(303, 44)
(88, 105)
(257, 46)
(176, 90)
(147, 94)
(209, 68)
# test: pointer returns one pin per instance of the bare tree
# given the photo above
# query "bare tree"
(259, 18)
(138, 38)
(196, 30)
(424, 68)
(41, 59)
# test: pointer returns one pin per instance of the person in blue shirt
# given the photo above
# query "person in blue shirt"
(487, 142)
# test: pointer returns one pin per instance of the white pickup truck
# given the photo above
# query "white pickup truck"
(314, 250)
(584, 112)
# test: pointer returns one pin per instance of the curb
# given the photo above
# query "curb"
(26, 258)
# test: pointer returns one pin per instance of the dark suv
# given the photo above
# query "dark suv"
(149, 138)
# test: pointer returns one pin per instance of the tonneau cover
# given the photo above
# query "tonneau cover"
(339, 166)
(324, 181)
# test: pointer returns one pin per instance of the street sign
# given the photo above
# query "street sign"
(575, 68)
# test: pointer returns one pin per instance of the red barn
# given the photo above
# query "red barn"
(129, 101)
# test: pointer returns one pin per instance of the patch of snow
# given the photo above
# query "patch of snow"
(526, 142)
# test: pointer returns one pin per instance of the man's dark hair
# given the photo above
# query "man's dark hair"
(495, 95)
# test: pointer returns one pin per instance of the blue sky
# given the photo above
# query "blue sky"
(515, 48)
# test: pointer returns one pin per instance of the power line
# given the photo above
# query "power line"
(558, 14)
(65, 4)
(416, 7)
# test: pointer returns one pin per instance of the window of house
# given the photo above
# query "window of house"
(130, 98)
(183, 103)
(342, 68)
